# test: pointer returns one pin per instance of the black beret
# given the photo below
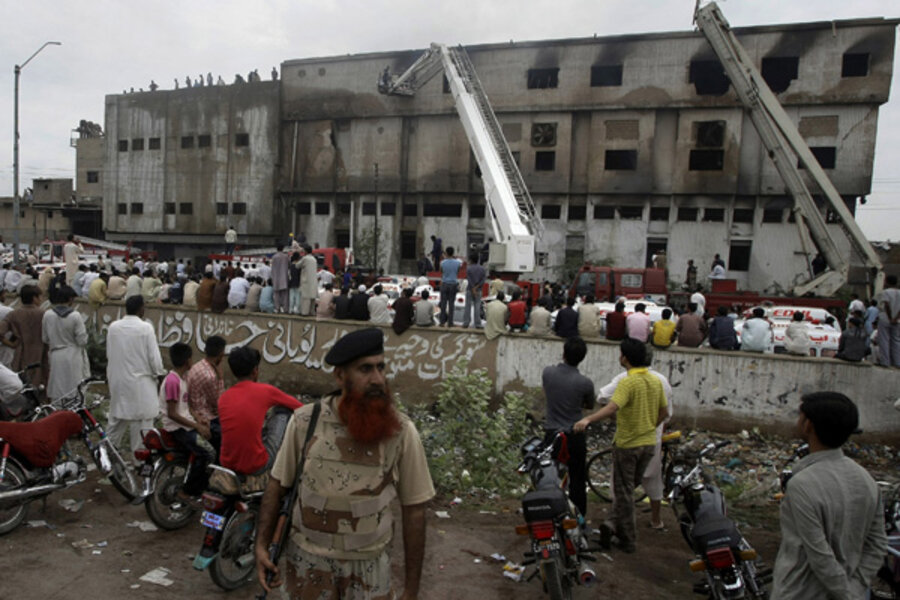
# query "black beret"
(356, 344)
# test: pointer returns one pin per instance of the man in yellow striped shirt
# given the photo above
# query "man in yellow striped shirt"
(639, 404)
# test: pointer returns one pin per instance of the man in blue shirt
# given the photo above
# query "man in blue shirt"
(475, 276)
(449, 286)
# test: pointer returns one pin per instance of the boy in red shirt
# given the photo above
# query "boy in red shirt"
(242, 411)
(517, 312)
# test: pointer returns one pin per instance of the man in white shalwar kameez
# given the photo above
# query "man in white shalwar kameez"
(133, 372)
(71, 251)
(66, 337)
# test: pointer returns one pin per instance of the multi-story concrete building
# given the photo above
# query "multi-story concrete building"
(629, 145)
(183, 165)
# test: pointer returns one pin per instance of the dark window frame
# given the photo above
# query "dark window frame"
(742, 215)
(438, 209)
(659, 213)
(92, 176)
(168, 208)
(545, 160)
(154, 143)
(620, 160)
(606, 75)
(185, 208)
(604, 212)
(123, 145)
(706, 159)
(323, 208)
(221, 208)
(241, 140)
(121, 208)
(239, 208)
(542, 78)
(204, 141)
(739, 252)
(187, 142)
(137, 144)
(855, 64)
(631, 213)
(136, 208)
(713, 215)
(577, 212)
(551, 211)
(303, 208)
(688, 214)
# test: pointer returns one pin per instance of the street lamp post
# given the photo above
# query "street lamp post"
(18, 71)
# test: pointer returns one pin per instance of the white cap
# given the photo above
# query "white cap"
(361, 288)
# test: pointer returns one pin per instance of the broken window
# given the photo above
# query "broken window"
(544, 161)
(388, 209)
(242, 139)
(303, 208)
(169, 208)
(221, 208)
(476, 211)
(323, 208)
(826, 155)
(368, 208)
(620, 160)
(543, 134)
(137, 208)
(123, 145)
(577, 212)
(551, 211)
(713, 215)
(137, 144)
(606, 75)
(631, 213)
(855, 65)
(153, 143)
(342, 238)
(604, 212)
(187, 141)
(659, 213)
(186, 208)
(412, 210)
(204, 141)
(435, 209)
(779, 71)
(742, 215)
(706, 160)
(687, 214)
(93, 176)
(709, 134)
(708, 77)
(739, 255)
(239, 208)
(540, 79)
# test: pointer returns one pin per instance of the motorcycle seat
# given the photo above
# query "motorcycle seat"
(38, 443)
(716, 530)
(539, 505)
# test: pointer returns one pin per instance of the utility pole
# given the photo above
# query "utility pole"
(18, 70)
(375, 266)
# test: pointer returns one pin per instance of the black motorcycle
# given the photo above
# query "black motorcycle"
(559, 546)
(230, 516)
(166, 467)
(722, 553)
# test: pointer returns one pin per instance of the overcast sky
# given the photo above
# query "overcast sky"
(111, 45)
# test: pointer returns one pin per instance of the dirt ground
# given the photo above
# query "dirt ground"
(40, 562)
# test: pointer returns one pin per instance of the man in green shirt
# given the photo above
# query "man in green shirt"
(639, 404)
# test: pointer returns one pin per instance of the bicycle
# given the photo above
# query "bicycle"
(599, 469)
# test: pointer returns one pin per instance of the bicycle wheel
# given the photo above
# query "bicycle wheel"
(599, 477)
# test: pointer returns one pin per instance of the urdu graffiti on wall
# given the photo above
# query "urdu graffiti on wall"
(300, 341)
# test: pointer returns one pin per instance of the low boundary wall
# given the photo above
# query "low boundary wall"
(724, 391)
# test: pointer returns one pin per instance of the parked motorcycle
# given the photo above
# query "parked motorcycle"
(166, 467)
(723, 554)
(35, 459)
(22, 405)
(559, 546)
(229, 516)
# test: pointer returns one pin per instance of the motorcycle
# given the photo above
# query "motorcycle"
(229, 515)
(35, 459)
(723, 554)
(22, 405)
(559, 546)
(166, 466)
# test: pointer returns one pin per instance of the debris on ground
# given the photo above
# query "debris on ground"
(159, 576)
(82, 544)
(37, 523)
(442, 514)
(143, 525)
(513, 570)
(71, 505)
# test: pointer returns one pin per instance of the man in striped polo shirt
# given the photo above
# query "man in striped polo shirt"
(639, 404)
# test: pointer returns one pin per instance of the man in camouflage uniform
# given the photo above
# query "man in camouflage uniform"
(362, 455)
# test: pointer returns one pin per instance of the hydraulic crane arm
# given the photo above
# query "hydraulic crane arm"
(785, 145)
(513, 217)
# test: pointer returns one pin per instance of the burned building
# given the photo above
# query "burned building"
(628, 144)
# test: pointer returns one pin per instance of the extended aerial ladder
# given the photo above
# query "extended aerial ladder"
(514, 220)
(785, 146)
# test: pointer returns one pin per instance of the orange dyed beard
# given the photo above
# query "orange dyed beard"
(369, 415)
